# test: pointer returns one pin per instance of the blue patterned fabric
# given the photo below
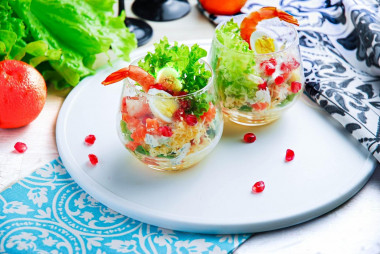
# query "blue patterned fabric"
(340, 47)
(48, 212)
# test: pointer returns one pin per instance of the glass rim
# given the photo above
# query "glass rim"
(200, 91)
(253, 53)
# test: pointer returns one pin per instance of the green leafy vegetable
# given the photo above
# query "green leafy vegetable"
(142, 150)
(245, 108)
(233, 63)
(169, 156)
(184, 60)
(229, 36)
(62, 37)
(192, 73)
(200, 104)
(287, 100)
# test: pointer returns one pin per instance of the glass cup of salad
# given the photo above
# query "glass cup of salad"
(257, 66)
(169, 117)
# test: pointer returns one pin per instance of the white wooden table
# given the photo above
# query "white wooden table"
(351, 228)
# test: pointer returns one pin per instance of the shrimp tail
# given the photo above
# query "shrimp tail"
(133, 72)
(116, 76)
(287, 17)
(248, 25)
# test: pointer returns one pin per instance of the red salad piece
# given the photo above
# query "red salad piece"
(179, 114)
(191, 120)
(262, 86)
(20, 147)
(165, 131)
(93, 159)
(157, 86)
(295, 86)
(279, 80)
(258, 187)
(289, 155)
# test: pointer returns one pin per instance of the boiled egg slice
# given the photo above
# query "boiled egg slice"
(262, 43)
(162, 104)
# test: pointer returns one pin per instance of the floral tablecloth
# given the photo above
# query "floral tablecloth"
(48, 212)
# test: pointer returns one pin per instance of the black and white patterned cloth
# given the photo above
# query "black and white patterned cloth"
(340, 45)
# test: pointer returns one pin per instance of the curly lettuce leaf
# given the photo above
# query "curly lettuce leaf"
(70, 33)
(229, 36)
(233, 62)
(185, 60)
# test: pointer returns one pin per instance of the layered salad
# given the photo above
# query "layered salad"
(169, 118)
(255, 77)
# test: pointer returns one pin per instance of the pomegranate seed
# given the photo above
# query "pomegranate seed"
(263, 86)
(185, 104)
(285, 67)
(20, 147)
(179, 114)
(273, 61)
(165, 131)
(269, 69)
(90, 139)
(289, 155)
(249, 137)
(279, 80)
(269, 66)
(258, 187)
(295, 86)
(93, 159)
(191, 120)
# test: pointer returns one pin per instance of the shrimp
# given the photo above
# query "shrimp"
(248, 25)
(133, 72)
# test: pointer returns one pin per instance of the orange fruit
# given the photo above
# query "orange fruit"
(22, 93)
(223, 7)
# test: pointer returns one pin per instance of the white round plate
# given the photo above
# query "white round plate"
(215, 195)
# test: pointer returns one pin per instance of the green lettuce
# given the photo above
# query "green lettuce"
(193, 74)
(233, 63)
(229, 36)
(61, 38)
(185, 60)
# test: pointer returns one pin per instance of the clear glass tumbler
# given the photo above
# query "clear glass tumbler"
(254, 89)
(166, 132)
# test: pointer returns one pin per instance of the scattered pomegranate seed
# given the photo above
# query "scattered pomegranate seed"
(191, 120)
(90, 139)
(263, 86)
(93, 159)
(258, 187)
(249, 137)
(295, 86)
(20, 147)
(179, 114)
(279, 80)
(289, 155)
(165, 131)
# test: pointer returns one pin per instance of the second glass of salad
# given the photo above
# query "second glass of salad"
(169, 118)
(257, 66)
